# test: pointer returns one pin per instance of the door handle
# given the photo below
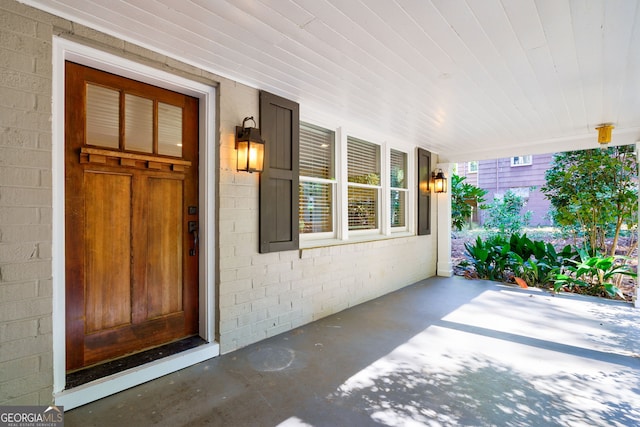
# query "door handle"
(193, 229)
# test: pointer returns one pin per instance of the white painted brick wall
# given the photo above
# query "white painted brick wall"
(258, 295)
(287, 289)
(25, 205)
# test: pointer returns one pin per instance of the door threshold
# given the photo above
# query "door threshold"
(101, 370)
(114, 383)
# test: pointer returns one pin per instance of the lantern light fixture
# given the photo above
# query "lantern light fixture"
(604, 133)
(439, 181)
(249, 147)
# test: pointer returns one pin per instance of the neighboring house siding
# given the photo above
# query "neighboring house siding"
(472, 177)
(497, 176)
(258, 295)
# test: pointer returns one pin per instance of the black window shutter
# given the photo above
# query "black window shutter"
(280, 129)
(424, 192)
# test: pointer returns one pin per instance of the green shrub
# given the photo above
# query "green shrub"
(536, 262)
(539, 264)
(463, 197)
(594, 193)
(594, 274)
(505, 214)
(490, 258)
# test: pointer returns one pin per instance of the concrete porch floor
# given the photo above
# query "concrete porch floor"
(442, 352)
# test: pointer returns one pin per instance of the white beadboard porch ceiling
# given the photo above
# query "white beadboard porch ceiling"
(467, 79)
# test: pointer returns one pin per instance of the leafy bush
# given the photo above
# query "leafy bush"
(539, 264)
(490, 258)
(594, 193)
(505, 214)
(463, 197)
(594, 274)
(536, 262)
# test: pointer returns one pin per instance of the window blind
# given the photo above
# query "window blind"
(398, 183)
(316, 215)
(317, 180)
(103, 116)
(363, 208)
(316, 152)
(363, 162)
(363, 167)
(398, 162)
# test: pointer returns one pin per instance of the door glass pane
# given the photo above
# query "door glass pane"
(103, 116)
(138, 124)
(169, 130)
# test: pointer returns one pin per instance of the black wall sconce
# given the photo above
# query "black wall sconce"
(439, 181)
(249, 148)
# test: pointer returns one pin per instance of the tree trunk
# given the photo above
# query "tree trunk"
(616, 236)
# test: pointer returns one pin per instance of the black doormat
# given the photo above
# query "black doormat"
(83, 376)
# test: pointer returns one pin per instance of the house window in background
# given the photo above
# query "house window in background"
(472, 167)
(399, 190)
(521, 161)
(317, 180)
(363, 168)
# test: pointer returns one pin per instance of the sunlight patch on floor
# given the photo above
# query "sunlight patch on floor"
(294, 422)
(457, 372)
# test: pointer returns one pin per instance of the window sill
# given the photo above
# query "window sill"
(363, 238)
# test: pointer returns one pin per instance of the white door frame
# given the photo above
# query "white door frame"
(64, 50)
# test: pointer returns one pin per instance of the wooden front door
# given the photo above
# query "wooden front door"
(131, 184)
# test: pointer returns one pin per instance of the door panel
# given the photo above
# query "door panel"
(114, 343)
(107, 248)
(132, 279)
(164, 230)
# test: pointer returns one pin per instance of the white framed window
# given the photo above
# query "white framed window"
(363, 185)
(472, 167)
(399, 192)
(351, 188)
(317, 186)
(521, 161)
